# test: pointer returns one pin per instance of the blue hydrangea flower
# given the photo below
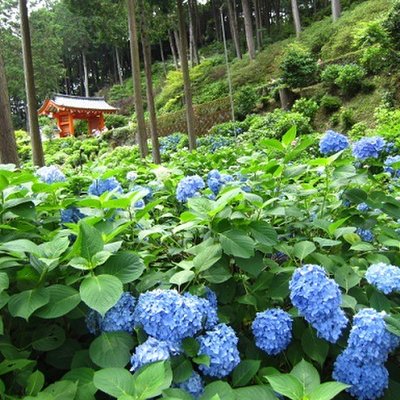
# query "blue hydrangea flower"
(369, 340)
(100, 186)
(368, 147)
(71, 215)
(148, 193)
(216, 180)
(365, 234)
(384, 277)
(368, 381)
(194, 385)
(150, 351)
(272, 330)
(51, 174)
(212, 298)
(189, 187)
(279, 257)
(207, 310)
(220, 345)
(388, 165)
(119, 318)
(131, 176)
(333, 142)
(318, 299)
(363, 207)
(167, 315)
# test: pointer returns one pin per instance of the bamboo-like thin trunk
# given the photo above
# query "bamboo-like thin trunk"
(120, 72)
(173, 49)
(8, 145)
(36, 140)
(85, 74)
(178, 46)
(336, 10)
(186, 78)
(296, 17)
(162, 57)
(141, 136)
(258, 24)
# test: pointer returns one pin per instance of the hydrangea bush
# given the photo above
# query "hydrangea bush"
(242, 272)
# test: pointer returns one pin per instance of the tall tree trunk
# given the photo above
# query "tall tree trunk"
(258, 24)
(8, 147)
(234, 28)
(194, 52)
(336, 9)
(120, 72)
(215, 14)
(149, 88)
(186, 78)
(134, 47)
(178, 45)
(36, 140)
(173, 49)
(248, 25)
(296, 17)
(162, 57)
(85, 74)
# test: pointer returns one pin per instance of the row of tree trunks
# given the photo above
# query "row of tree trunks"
(173, 49)
(234, 27)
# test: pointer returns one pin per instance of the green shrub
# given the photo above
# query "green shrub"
(245, 101)
(370, 34)
(387, 122)
(329, 75)
(115, 121)
(392, 24)
(346, 118)
(277, 123)
(358, 131)
(228, 129)
(330, 103)
(307, 107)
(350, 79)
(375, 58)
(299, 67)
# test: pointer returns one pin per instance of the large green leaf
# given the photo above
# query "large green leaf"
(327, 391)
(84, 377)
(237, 243)
(315, 348)
(303, 249)
(258, 392)
(244, 372)
(111, 349)
(19, 246)
(307, 374)
(152, 379)
(63, 299)
(264, 233)
(126, 266)
(62, 390)
(287, 385)
(101, 292)
(47, 338)
(89, 241)
(220, 389)
(182, 277)
(34, 383)
(4, 281)
(114, 382)
(207, 257)
(24, 304)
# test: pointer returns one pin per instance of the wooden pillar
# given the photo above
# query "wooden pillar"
(71, 124)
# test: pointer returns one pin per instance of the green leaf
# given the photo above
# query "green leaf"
(254, 265)
(24, 304)
(327, 391)
(114, 382)
(63, 299)
(264, 233)
(346, 277)
(237, 243)
(191, 347)
(307, 374)
(244, 372)
(176, 394)
(111, 349)
(7, 366)
(379, 302)
(182, 277)
(19, 246)
(126, 266)
(202, 359)
(207, 257)
(218, 388)
(316, 348)
(289, 136)
(80, 263)
(101, 292)
(89, 241)
(356, 195)
(34, 384)
(4, 281)
(47, 338)
(258, 392)
(84, 377)
(303, 249)
(287, 385)
(152, 379)
(62, 390)
(100, 258)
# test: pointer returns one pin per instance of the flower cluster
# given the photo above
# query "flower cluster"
(388, 165)
(171, 142)
(216, 180)
(333, 142)
(148, 193)
(365, 234)
(100, 186)
(362, 362)
(50, 174)
(71, 215)
(131, 176)
(363, 207)
(318, 299)
(167, 315)
(220, 345)
(151, 350)
(368, 147)
(189, 187)
(384, 277)
(119, 318)
(194, 385)
(272, 330)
